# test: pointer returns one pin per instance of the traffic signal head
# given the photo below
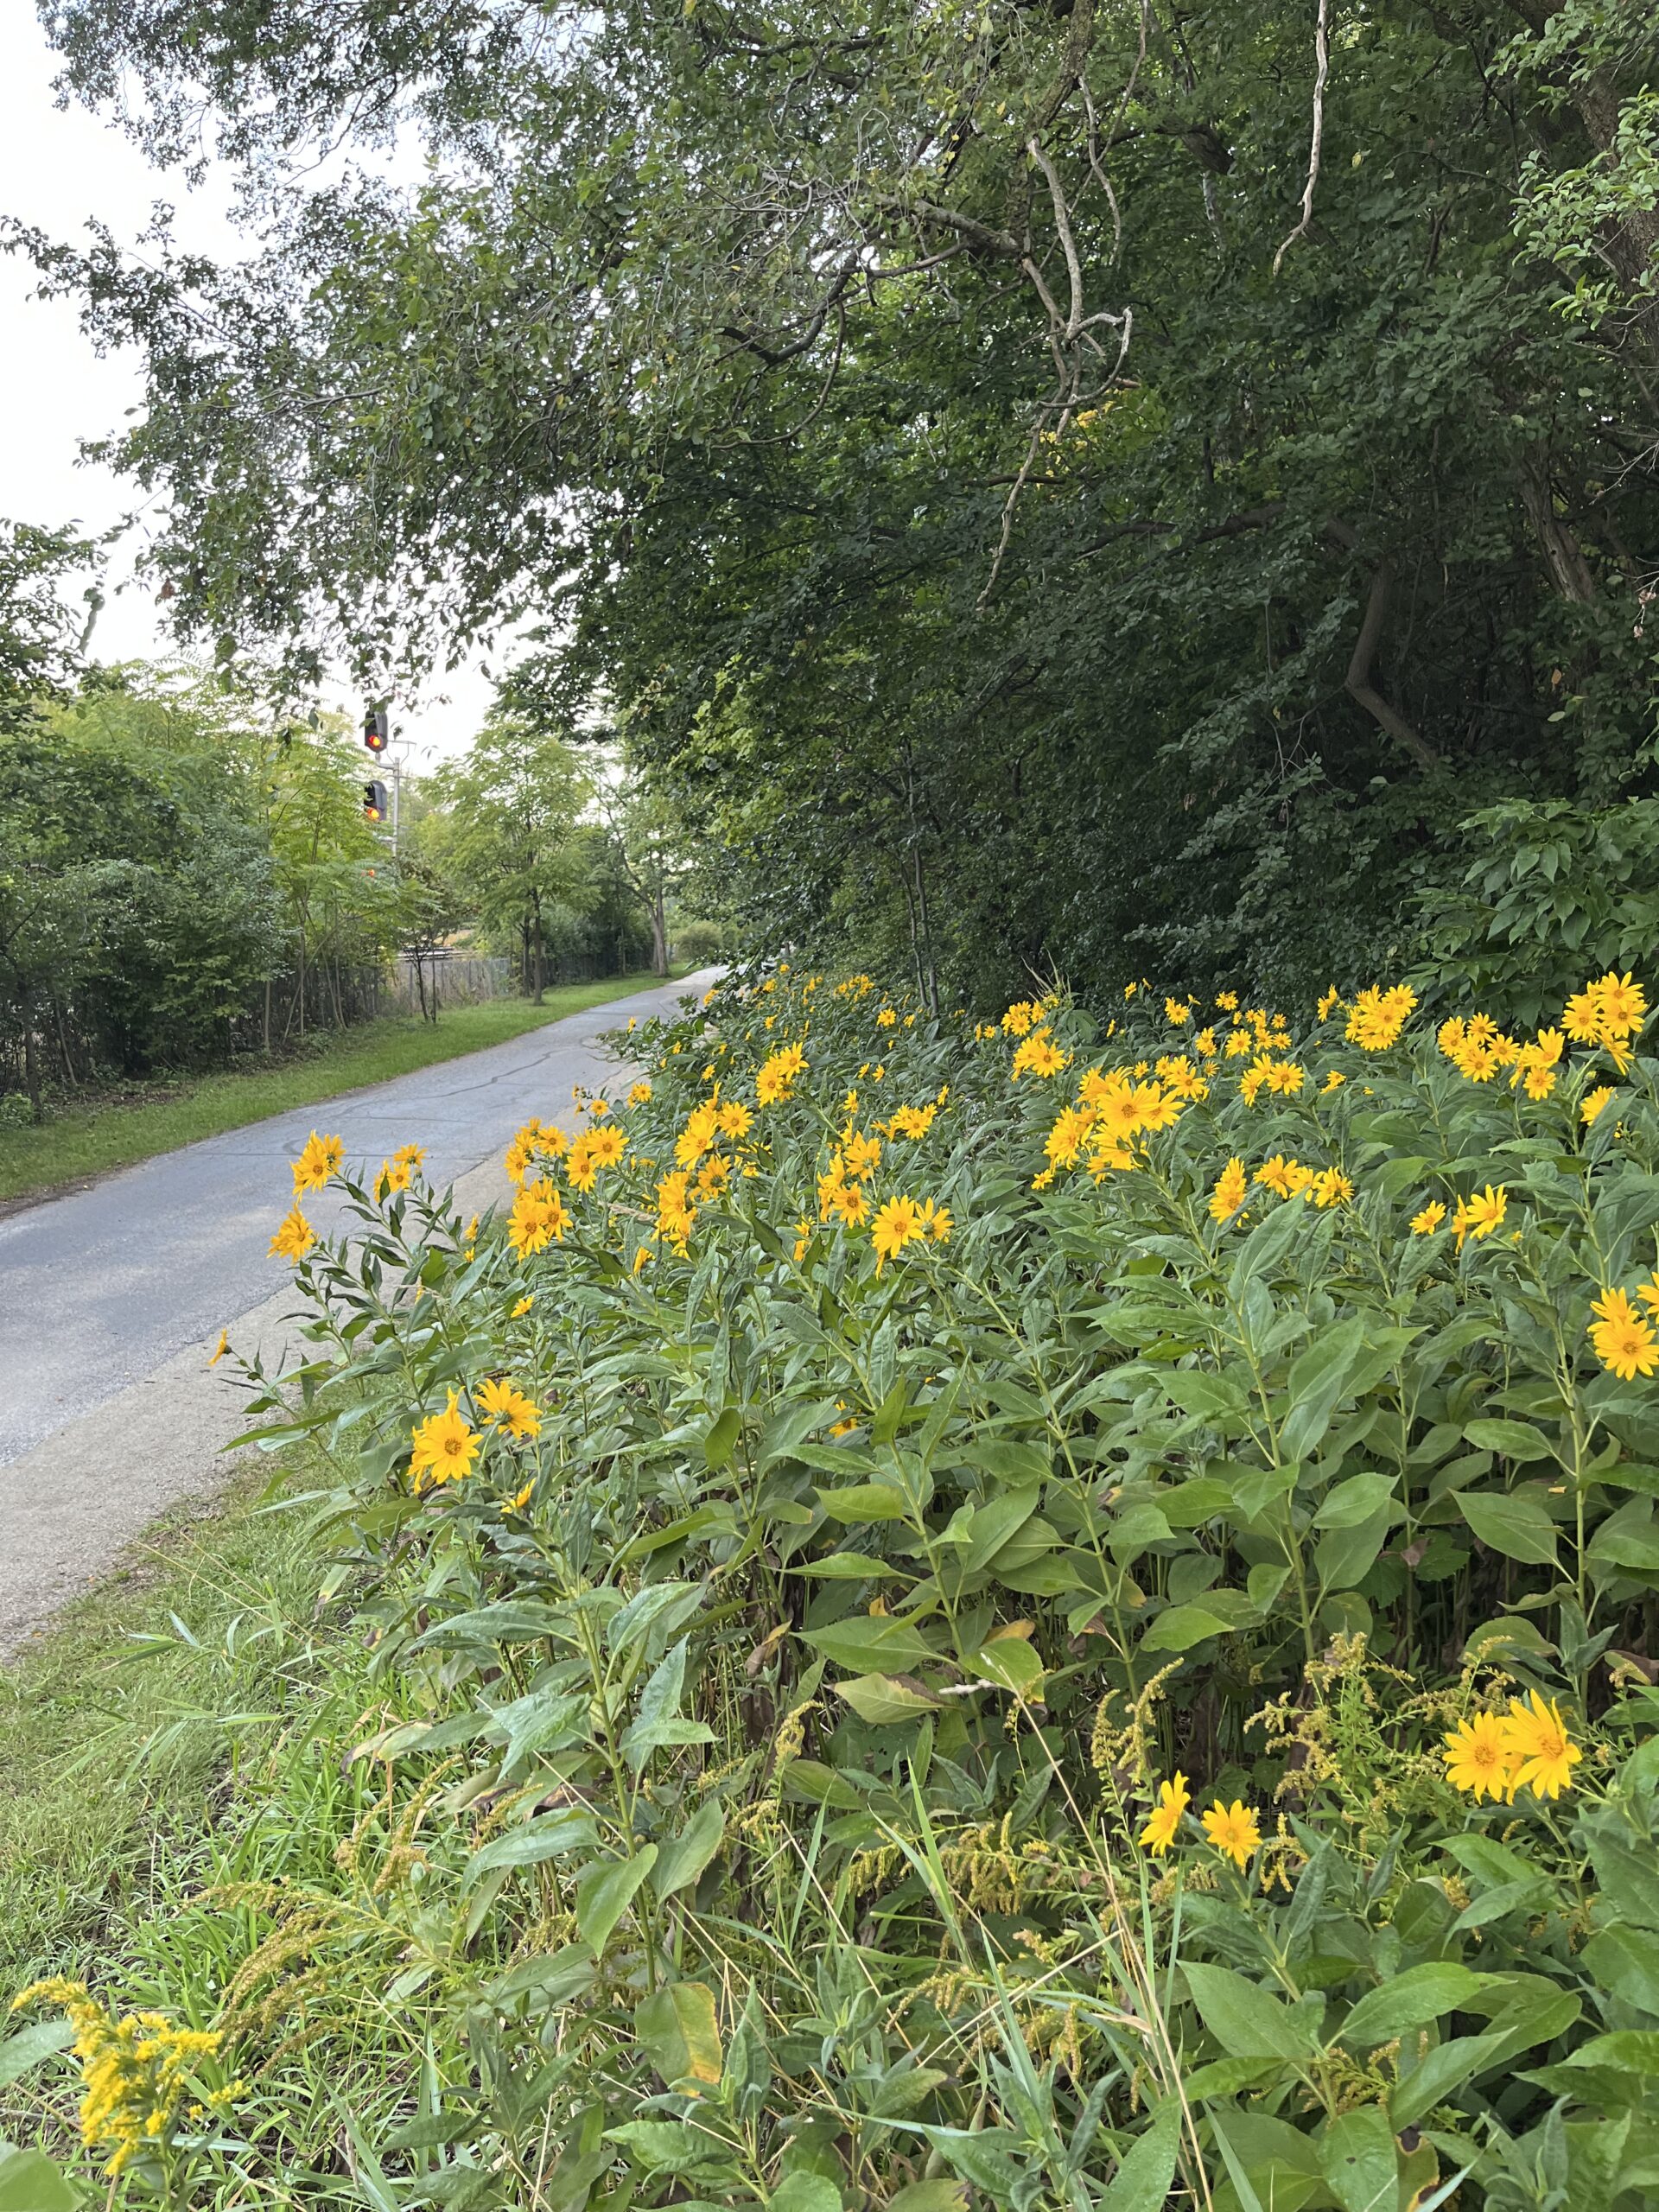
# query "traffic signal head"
(376, 729)
(374, 802)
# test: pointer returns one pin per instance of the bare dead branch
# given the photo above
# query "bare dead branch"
(1321, 70)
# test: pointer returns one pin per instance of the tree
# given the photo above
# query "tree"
(510, 844)
(1045, 487)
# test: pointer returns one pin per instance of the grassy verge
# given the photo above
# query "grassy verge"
(82, 1142)
(115, 1730)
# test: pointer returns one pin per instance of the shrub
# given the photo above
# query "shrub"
(1044, 1610)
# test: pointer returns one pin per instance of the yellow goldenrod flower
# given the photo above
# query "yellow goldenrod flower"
(1594, 1100)
(639, 1093)
(1426, 1223)
(134, 2072)
(523, 1308)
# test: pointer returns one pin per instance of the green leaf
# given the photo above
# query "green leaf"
(1410, 2001)
(930, 2196)
(982, 2156)
(871, 1643)
(604, 1892)
(1447, 2068)
(29, 2182)
(884, 1700)
(721, 1441)
(1315, 1385)
(1358, 2159)
(1513, 1439)
(657, 1723)
(1182, 1626)
(31, 2045)
(1344, 1557)
(1012, 1663)
(1631, 2050)
(1246, 2020)
(680, 2031)
(681, 1859)
(1627, 1963)
(1516, 1526)
(865, 1502)
(805, 2192)
(547, 1838)
(1147, 2169)
(1354, 1501)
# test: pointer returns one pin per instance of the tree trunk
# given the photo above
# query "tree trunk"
(536, 939)
(658, 933)
(1569, 571)
(31, 1063)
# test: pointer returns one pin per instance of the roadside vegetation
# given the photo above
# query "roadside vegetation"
(88, 1139)
(1050, 1612)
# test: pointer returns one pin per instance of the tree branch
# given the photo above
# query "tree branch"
(1322, 70)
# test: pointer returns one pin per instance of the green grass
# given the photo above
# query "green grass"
(83, 1141)
(115, 1743)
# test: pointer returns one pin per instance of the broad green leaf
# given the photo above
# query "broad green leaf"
(1147, 2169)
(805, 2192)
(1246, 2019)
(1626, 1962)
(657, 1723)
(871, 1643)
(1358, 2155)
(550, 1837)
(1516, 1526)
(1182, 1626)
(1011, 1663)
(1315, 1385)
(1355, 1500)
(930, 2196)
(1449, 2067)
(1512, 1439)
(721, 1441)
(680, 2031)
(1410, 2001)
(40, 2040)
(681, 1859)
(604, 1892)
(887, 1699)
(865, 1502)
(29, 2182)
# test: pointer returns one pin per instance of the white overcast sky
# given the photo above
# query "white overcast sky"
(58, 166)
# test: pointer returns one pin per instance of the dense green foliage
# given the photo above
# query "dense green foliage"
(1027, 520)
(185, 877)
(780, 1629)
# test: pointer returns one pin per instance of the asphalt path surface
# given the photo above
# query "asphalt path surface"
(111, 1299)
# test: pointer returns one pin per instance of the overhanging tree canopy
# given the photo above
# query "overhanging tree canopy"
(1043, 486)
